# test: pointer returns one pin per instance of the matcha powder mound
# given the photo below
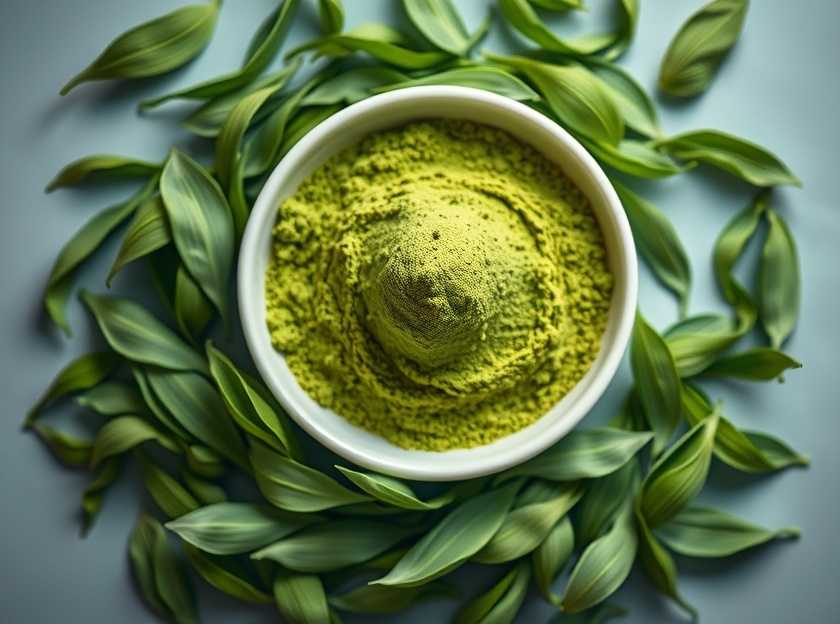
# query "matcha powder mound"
(441, 285)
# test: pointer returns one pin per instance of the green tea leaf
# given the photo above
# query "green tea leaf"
(250, 410)
(217, 574)
(202, 226)
(657, 382)
(747, 451)
(193, 311)
(596, 615)
(758, 364)
(300, 599)
(154, 405)
(79, 248)
(584, 454)
(530, 523)
(199, 409)
(135, 334)
(93, 496)
(147, 232)
(574, 95)
(379, 599)
(521, 16)
(700, 46)
(739, 157)
(549, 559)
(603, 500)
(206, 492)
(302, 123)
(633, 102)
(172, 497)
(779, 289)
(658, 564)
(658, 243)
(697, 341)
(208, 119)
(479, 77)
(155, 47)
(457, 537)
(140, 544)
(122, 434)
(394, 492)
(173, 585)
(68, 449)
(331, 16)
(258, 59)
(679, 475)
(635, 158)
(379, 41)
(333, 545)
(235, 528)
(101, 166)
(85, 372)
(628, 11)
(292, 486)
(439, 22)
(501, 604)
(559, 5)
(603, 566)
(353, 85)
(705, 532)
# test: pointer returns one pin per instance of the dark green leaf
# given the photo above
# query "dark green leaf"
(122, 434)
(700, 46)
(440, 24)
(633, 102)
(379, 599)
(479, 77)
(258, 59)
(457, 537)
(202, 226)
(301, 599)
(635, 158)
(628, 11)
(92, 497)
(140, 337)
(193, 311)
(501, 604)
(521, 16)
(68, 449)
(140, 545)
(744, 159)
(172, 497)
(705, 532)
(353, 85)
(217, 574)
(206, 492)
(697, 341)
(234, 528)
(331, 16)
(101, 166)
(549, 559)
(759, 364)
(657, 382)
(202, 461)
(596, 615)
(394, 492)
(155, 47)
(154, 406)
(779, 290)
(302, 123)
(559, 5)
(603, 500)
(147, 232)
(173, 585)
(658, 243)
(114, 398)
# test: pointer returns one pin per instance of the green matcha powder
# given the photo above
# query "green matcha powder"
(441, 285)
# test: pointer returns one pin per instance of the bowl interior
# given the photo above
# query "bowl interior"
(394, 109)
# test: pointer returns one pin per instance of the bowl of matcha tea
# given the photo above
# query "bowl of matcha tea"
(437, 283)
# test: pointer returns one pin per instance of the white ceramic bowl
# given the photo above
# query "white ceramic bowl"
(386, 111)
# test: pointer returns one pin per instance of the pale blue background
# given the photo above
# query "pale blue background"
(780, 88)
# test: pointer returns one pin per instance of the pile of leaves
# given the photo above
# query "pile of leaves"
(318, 543)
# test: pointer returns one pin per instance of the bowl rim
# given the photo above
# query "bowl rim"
(264, 214)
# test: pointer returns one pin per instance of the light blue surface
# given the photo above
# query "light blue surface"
(779, 88)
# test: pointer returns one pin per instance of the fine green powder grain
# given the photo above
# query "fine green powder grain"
(441, 284)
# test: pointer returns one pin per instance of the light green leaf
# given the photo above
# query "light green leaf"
(697, 341)
(479, 77)
(657, 382)
(549, 559)
(122, 434)
(260, 56)
(202, 226)
(440, 23)
(353, 85)
(779, 289)
(394, 492)
(584, 454)
(147, 232)
(705, 532)
(530, 523)
(635, 158)
(743, 159)
(199, 409)
(457, 537)
(331, 16)
(85, 372)
(700, 46)
(501, 604)
(603, 566)
(559, 5)
(758, 364)
(172, 497)
(301, 599)
(217, 573)
(246, 401)
(140, 337)
(155, 47)
(100, 166)
(68, 449)
(302, 123)
(334, 545)
(628, 12)
(235, 528)
(520, 15)
(292, 486)
(633, 102)
(679, 475)
(93, 496)
(658, 243)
